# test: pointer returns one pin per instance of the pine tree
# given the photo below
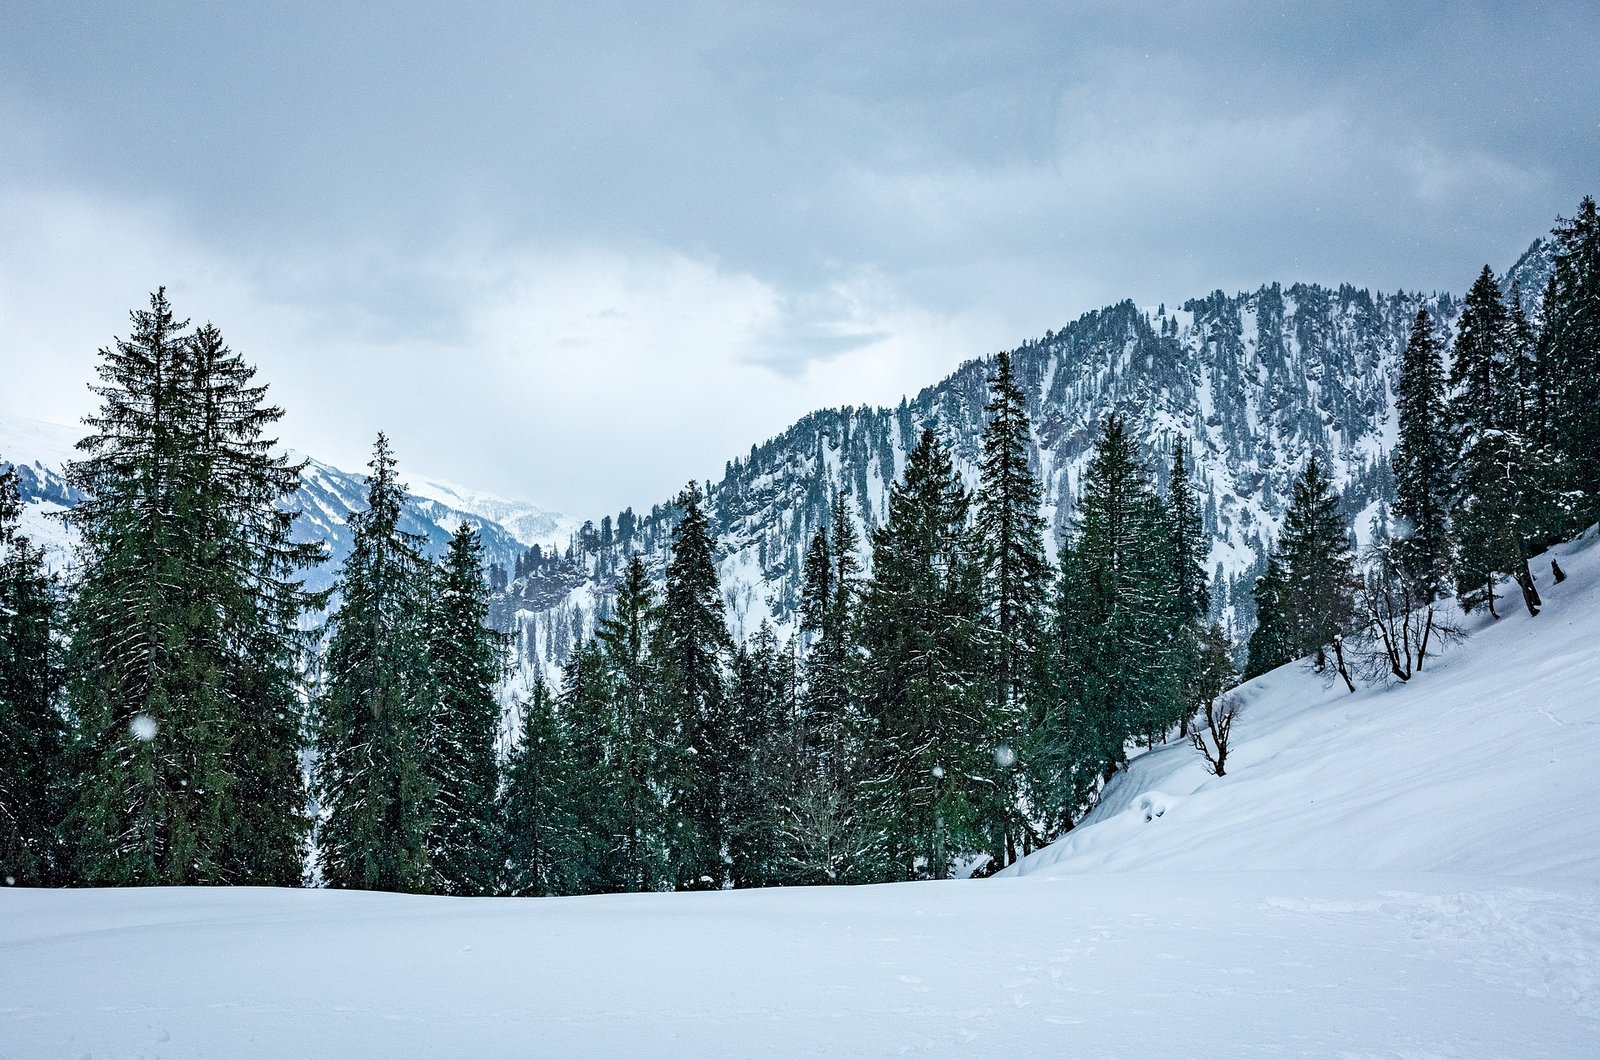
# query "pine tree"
(641, 733)
(692, 645)
(1319, 571)
(828, 612)
(185, 650)
(594, 862)
(466, 655)
(1422, 457)
(536, 804)
(1010, 533)
(32, 736)
(255, 571)
(762, 713)
(927, 722)
(1570, 360)
(1187, 552)
(1272, 643)
(375, 710)
(1498, 470)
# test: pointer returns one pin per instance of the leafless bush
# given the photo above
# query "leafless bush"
(1219, 712)
(1400, 623)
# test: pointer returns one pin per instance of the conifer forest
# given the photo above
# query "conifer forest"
(179, 705)
(810, 530)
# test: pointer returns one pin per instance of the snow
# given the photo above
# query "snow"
(1403, 872)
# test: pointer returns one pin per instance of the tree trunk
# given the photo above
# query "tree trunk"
(1338, 654)
(1530, 592)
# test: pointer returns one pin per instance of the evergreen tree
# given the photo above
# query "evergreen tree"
(255, 570)
(1422, 457)
(1319, 571)
(466, 655)
(185, 650)
(1187, 553)
(762, 713)
(829, 612)
(1189, 547)
(641, 733)
(32, 736)
(1498, 469)
(536, 808)
(595, 862)
(1570, 362)
(374, 713)
(1121, 617)
(1010, 533)
(692, 644)
(927, 723)
(1272, 643)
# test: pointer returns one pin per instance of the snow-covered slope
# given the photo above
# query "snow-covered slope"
(1412, 872)
(1488, 762)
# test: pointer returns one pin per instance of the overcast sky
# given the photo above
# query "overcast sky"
(579, 253)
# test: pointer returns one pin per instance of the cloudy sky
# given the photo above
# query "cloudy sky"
(579, 253)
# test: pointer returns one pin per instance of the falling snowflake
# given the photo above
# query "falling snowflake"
(938, 772)
(1004, 757)
(143, 728)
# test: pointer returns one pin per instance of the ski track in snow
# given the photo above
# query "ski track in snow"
(1410, 872)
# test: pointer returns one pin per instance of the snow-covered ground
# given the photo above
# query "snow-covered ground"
(1412, 872)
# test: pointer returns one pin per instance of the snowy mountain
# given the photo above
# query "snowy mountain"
(1411, 871)
(1256, 382)
(325, 500)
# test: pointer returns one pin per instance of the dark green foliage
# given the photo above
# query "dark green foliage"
(1120, 617)
(829, 604)
(764, 723)
(1319, 571)
(927, 718)
(376, 707)
(641, 735)
(185, 650)
(1272, 643)
(1010, 541)
(595, 860)
(692, 646)
(467, 659)
(1422, 458)
(1189, 546)
(32, 735)
(1570, 358)
(1501, 472)
(536, 809)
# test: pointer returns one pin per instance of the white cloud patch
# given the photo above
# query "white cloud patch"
(580, 378)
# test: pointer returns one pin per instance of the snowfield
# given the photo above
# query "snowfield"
(1406, 872)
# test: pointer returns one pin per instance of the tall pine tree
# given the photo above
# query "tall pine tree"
(377, 703)
(1422, 458)
(185, 650)
(1498, 468)
(32, 736)
(1010, 534)
(467, 659)
(928, 721)
(692, 647)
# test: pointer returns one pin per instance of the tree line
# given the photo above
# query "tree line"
(1497, 458)
(952, 698)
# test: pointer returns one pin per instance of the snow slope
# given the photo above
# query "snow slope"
(1412, 872)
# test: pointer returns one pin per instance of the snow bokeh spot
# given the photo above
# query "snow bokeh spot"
(143, 728)
(1004, 757)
